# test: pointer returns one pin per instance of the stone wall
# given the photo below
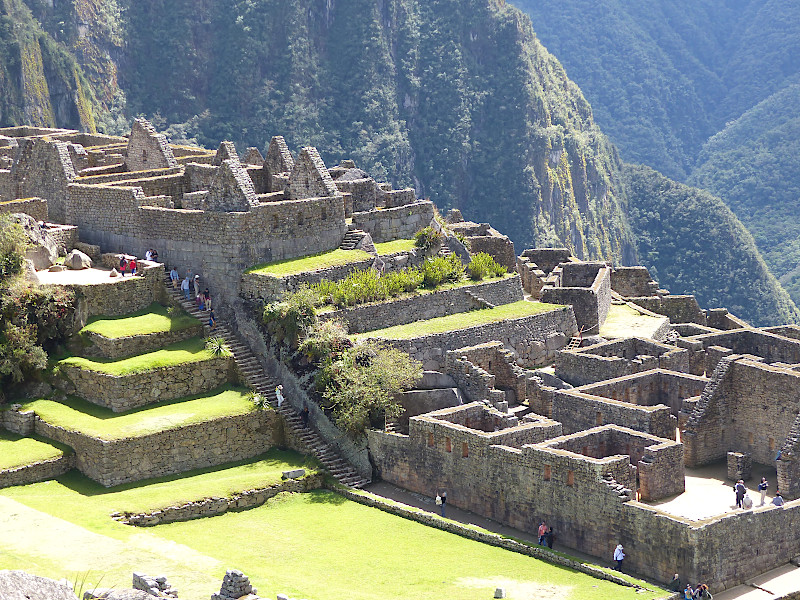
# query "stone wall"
(123, 347)
(217, 245)
(395, 223)
(125, 392)
(633, 281)
(212, 507)
(35, 207)
(65, 237)
(587, 287)
(535, 338)
(39, 471)
(771, 347)
(114, 462)
(426, 306)
(679, 309)
(498, 246)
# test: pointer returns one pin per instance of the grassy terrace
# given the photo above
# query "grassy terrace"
(515, 310)
(395, 246)
(314, 262)
(76, 414)
(17, 451)
(153, 319)
(330, 548)
(624, 321)
(187, 351)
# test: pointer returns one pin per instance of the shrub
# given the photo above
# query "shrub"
(439, 270)
(13, 243)
(427, 238)
(325, 340)
(359, 386)
(483, 265)
(218, 347)
(287, 320)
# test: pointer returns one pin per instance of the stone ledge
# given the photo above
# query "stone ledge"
(211, 507)
(38, 471)
(486, 537)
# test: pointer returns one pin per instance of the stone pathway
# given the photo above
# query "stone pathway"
(256, 377)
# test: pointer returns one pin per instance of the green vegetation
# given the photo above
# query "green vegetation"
(286, 321)
(754, 166)
(427, 238)
(153, 319)
(674, 223)
(315, 532)
(16, 451)
(515, 310)
(395, 246)
(314, 262)
(218, 347)
(483, 265)
(181, 353)
(358, 385)
(77, 414)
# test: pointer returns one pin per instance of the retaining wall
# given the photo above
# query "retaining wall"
(35, 207)
(132, 345)
(395, 223)
(39, 471)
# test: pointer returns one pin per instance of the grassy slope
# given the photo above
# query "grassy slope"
(16, 451)
(515, 310)
(314, 545)
(188, 351)
(78, 415)
(323, 260)
(395, 246)
(153, 319)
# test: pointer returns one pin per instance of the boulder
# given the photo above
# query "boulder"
(77, 260)
(57, 268)
(18, 585)
(434, 380)
(43, 251)
(294, 474)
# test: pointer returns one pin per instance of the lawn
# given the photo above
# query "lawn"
(395, 246)
(323, 260)
(17, 451)
(76, 414)
(187, 351)
(515, 310)
(315, 545)
(153, 319)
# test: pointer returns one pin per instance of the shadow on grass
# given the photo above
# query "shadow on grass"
(326, 497)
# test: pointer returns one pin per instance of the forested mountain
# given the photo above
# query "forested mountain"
(680, 228)
(455, 97)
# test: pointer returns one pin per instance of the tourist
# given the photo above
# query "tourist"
(747, 502)
(702, 592)
(304, 414)
(762, 487)
(123, 264)
(201, 301)
(675, 585)
(542, 533)
(185, 287)
(196, 285)
(207, 296)
(778, 499)
(212, 320)
(148, 255)
(619, 556)
(279, 395)
(688, 592)
(549, 537)
(155, 255)
(444, 500)
(740, 492)
(132, 267)
(174, 277)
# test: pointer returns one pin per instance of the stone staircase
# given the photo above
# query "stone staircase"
(255, 377)
(352, 239)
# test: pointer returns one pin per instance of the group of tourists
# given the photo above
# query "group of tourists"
(546, 535)
(130, 265)
(191, 282)
(151, 255)
(701, 592)
(743, 499)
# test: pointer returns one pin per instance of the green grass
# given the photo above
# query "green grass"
(153, 319)
(17, 451)
(315, 545)
(515, 310)
(323, 260)
(187, 351)
(395, 246)
(77, 414)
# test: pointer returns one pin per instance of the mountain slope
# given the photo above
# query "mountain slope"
(680, 228)
(754, 163)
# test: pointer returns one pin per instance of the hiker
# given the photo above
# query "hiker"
(675, 585)
(619, 556)
(279, 395)
(123, 264)
(132, 267)
(304, 415)
(207, 296)
(196, 285)
(149, 254)
(778, 499)
(702, 593)
(155, 255)
(762, 487)
(740, 492)
(212, 320)
(542, 533)
(549, 537)
(688, 592)
(174, 277)
(441, 500)
(185, 287)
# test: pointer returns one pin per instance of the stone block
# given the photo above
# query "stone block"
(740, 466)
(293, 474)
